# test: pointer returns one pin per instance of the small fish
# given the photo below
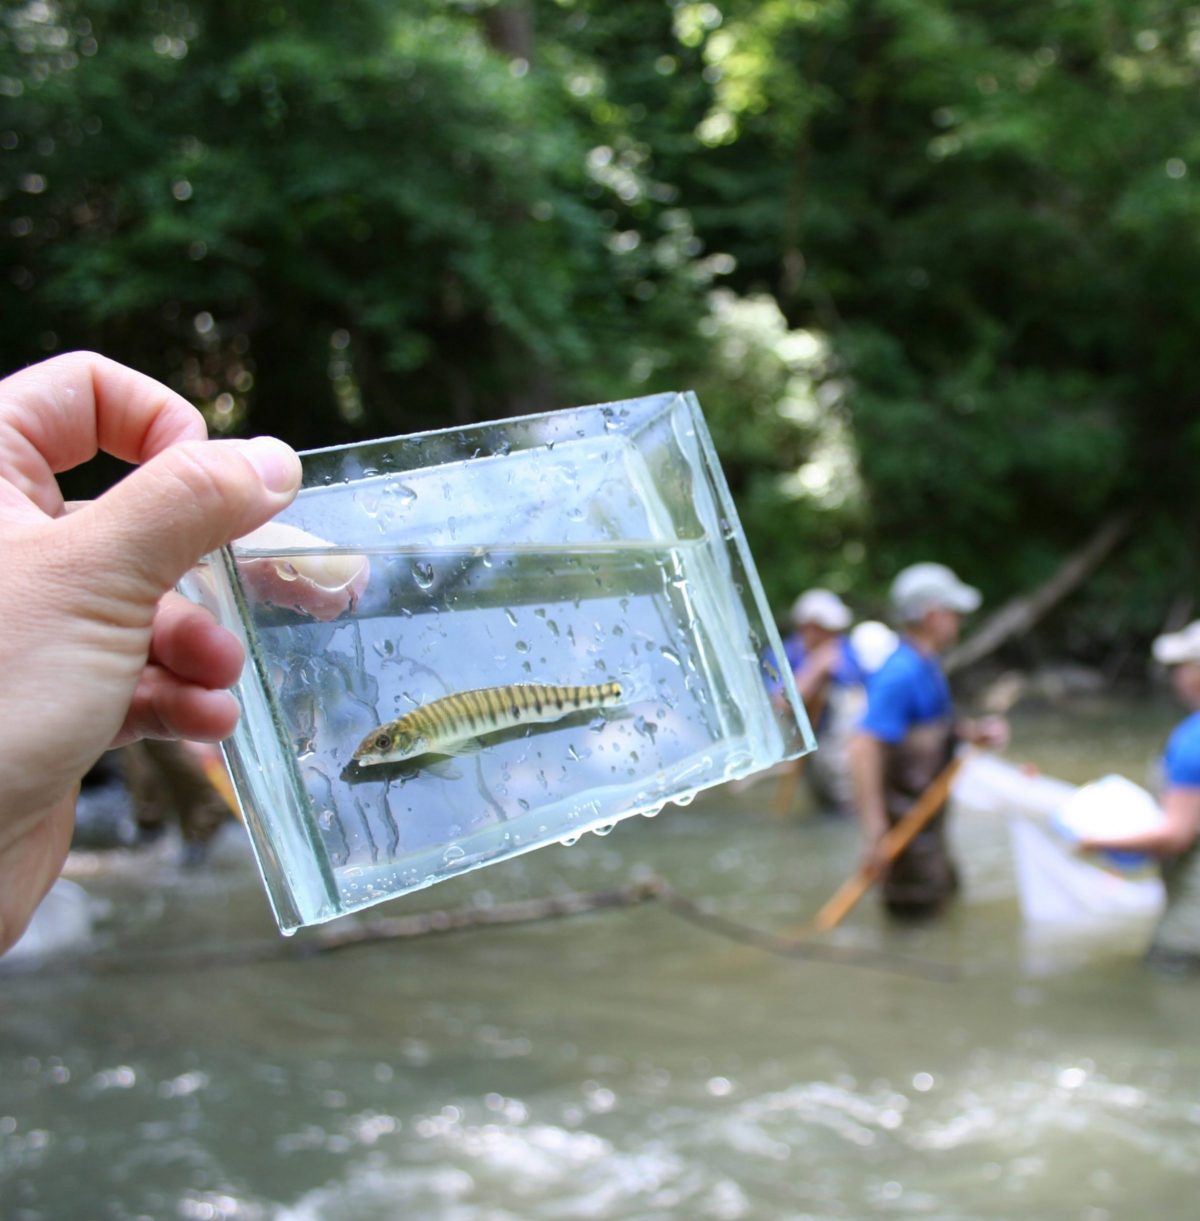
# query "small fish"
(449, 725)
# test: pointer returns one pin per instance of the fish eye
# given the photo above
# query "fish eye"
(382, 741)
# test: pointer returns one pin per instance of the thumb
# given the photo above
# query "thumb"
(188, 500)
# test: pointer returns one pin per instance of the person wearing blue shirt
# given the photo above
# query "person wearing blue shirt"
(1175, 840)
(829, 680)
(817, 651)
(908, 735)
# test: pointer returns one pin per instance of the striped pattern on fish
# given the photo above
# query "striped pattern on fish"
(445, 726)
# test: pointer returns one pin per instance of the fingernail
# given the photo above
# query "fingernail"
(276, 463)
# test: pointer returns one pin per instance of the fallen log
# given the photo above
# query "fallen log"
(364, 932)
(1019, 614)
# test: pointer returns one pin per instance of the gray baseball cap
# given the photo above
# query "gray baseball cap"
(922, 587)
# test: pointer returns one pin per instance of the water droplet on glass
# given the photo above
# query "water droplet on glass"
(684, 799)
(671, 655)
(522, 803)
(605, 829)
(652, 812)
(368, 501)
(452, 854)
(569, 841)
(522, 646)
(423, 574)
(512, 619)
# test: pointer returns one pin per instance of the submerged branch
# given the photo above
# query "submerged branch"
(353, 934)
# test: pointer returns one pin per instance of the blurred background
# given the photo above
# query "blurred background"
(932, 270)
(930, 267)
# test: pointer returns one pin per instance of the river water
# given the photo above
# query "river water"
(627, 1064)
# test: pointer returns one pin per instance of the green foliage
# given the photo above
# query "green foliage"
(237, 200)
(991, 210)
(979, 223)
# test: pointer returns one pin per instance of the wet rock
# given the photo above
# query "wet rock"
(62, 924)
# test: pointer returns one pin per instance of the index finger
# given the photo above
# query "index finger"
(60, 413)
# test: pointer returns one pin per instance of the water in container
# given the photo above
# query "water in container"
(549, 623)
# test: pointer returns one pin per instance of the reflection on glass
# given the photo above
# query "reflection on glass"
(464, 581)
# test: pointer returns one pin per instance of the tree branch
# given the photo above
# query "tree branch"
(1019, 614)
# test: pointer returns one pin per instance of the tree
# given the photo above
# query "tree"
(979, 222)
(324, 220)
(991, 212)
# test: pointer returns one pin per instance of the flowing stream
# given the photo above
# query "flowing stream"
(622, 1065)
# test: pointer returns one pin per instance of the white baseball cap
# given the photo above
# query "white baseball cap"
(922, 587)
(1172, 648)
(824, 608)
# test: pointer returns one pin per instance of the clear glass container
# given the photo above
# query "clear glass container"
(592, 546)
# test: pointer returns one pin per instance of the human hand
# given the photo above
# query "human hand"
(815, 673)
(96, 651)
(823, 660)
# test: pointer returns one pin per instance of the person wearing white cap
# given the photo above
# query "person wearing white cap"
(909, 734)
(817, 649)
(1176, 839)
(829, 680)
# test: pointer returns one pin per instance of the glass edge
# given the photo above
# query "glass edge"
(755, 588)
(665, 396)
(283, 857)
